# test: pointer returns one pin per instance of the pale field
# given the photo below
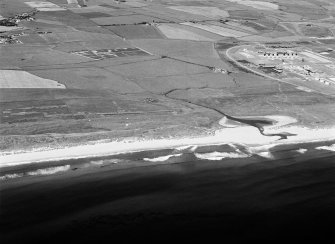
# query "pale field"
(210, 12)
(255, 38)
(23, 79)
(176, 32)
(44, 6)
(257, 4)
(90, 9)
(217, 30)
(135, 4)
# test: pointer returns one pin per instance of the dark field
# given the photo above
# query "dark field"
(136, 32)
(111, 53)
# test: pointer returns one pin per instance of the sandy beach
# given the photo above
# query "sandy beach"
(231, 133)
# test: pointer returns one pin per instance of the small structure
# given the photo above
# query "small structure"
(280, 54)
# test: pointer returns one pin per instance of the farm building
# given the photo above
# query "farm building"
(280, 55)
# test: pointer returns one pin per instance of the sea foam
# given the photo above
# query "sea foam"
(49, 171)
(329, 148)
(162, 158)
(220, 155)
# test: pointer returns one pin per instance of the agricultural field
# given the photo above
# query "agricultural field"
(219, 30)
(92, 62)
(176, 31)
(136, 32)
(209, 12)
(261, 5)
(23, 79)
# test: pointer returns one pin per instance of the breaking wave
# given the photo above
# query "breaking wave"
(329, 148)
(162, 158)
(220, 155)
(10, 176)
(49, 171)
(267, 154)
(302, 150)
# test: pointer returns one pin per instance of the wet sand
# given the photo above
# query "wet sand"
(232, 199)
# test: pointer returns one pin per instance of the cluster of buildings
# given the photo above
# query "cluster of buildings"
(13, 21)
(278, 60)
(309, 73)
(10, 39)
(287, 54)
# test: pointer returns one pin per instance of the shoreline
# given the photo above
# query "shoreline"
(234, 135)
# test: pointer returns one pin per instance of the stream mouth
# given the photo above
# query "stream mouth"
(259, 124)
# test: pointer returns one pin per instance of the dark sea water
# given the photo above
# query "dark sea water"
(279, 194)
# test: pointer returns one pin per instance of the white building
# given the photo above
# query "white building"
(280, 55)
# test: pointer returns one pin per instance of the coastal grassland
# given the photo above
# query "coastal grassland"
(164, 85)
(90, 78)
(54, 117)
(157, 68)
(245, 98)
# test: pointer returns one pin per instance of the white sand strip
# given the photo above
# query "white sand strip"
(247, 135)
